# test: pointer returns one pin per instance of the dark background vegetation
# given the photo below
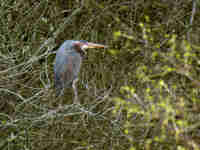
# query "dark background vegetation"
(140, 93)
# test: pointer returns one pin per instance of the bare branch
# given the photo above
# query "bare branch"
(192, 18)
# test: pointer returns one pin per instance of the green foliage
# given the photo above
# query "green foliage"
(156, 101)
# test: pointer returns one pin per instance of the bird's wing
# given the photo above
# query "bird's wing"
(66, 69)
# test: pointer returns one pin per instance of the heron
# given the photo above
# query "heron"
(67, 64)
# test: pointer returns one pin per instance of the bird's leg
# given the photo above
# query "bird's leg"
(75, 91)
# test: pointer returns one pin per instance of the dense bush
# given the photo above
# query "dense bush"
(140, 93)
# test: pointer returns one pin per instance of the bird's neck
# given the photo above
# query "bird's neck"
(81, 53)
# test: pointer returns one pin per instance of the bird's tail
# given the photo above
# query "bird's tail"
(59, 91)
(58, 88)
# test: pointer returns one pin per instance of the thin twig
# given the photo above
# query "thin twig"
(192, 18)
(13, 93)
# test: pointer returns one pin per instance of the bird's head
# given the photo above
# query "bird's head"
(81, 46)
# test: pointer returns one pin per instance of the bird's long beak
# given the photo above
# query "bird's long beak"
(94, 45)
